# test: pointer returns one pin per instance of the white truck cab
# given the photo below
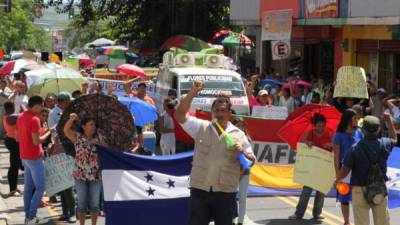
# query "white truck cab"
(178, 72)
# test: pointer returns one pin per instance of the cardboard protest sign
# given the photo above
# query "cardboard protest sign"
(351, 82)
(58, 170)
(272, 113)
(314, 168)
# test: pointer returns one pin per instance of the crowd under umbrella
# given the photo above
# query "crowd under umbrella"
(113, 119)
(186, 42)
(41, 82)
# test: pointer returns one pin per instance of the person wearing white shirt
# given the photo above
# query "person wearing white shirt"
(19, 97)
(215, 174)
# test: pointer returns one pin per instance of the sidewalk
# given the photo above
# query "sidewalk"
(12, 208)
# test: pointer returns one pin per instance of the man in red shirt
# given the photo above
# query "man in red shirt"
(31, 153)
(321, 137)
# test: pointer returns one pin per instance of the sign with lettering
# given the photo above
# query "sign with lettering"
(314, 168)
(270, 112)
(58, 169)
(351, 82)
(119, 86)
(191, 78)
(273, 153)
(280, 49)
(276, 25)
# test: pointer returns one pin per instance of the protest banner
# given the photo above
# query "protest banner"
(276, 25)
(314, 168)
(119, 86)
(272, 113)
(58, 169)
(351, 82)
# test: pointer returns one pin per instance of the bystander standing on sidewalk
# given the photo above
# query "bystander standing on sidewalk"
(9, 122)
(31, 152)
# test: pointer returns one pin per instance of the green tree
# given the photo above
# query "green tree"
(18, 30)
(152, 20)
(78, 35)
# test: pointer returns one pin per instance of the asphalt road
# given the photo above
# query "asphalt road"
(260, 210)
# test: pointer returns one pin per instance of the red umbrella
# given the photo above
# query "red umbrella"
(131, 70)
(305, 108)
(292, 131)
(14, 66)
(299, 83)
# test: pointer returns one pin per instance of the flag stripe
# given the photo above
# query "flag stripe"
(112, 159)
(120, 185)
(145, 212)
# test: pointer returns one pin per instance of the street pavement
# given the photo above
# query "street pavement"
(260, 210)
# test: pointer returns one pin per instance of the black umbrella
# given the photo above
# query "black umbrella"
(113, 119)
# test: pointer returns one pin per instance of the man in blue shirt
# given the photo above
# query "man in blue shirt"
(358, 161)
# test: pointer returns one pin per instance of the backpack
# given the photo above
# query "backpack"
(375, 190)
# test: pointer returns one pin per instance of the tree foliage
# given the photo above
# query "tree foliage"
(18, 30)
(150, 20)
(78, 35)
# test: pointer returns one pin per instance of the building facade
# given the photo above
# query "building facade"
(327, 34)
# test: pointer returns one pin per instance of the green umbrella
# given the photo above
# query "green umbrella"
(237, 39)
(55, 81)
(186, 42)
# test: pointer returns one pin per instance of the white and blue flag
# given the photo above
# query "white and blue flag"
(144, 190)
(393, 173)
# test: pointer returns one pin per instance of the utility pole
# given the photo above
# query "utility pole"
(6, 5)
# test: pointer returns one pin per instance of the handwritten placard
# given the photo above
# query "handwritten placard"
(351, 82)
(270, 112)
(58, 170)
(314, 168)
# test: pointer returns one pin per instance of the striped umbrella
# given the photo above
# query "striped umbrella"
(185, 42)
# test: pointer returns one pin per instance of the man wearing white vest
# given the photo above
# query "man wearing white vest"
(216, 168)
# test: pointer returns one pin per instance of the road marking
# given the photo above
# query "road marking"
(327, 214)
(53, 213)
(308, 211)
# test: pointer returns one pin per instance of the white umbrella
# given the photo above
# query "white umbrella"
(20, 63)
(101, 42)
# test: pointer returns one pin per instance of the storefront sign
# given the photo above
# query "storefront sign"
(276, 25)
(280, 49)
(314, 168)
(321, 9)
(272, 113)
(351, 82)
(58, 170)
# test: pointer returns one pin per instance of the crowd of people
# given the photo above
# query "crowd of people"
(365, 123)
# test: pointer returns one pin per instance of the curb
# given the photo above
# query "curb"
(4, 217)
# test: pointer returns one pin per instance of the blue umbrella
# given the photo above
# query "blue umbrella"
(272, 83)
(143, 112)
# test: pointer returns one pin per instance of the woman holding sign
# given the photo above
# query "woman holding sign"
(321, 137)
(345, 137)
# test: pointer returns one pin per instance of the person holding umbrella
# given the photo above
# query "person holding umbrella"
(321, 137)
(87, 172)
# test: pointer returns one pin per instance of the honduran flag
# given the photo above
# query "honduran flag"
(145, 190)
(393, 173)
